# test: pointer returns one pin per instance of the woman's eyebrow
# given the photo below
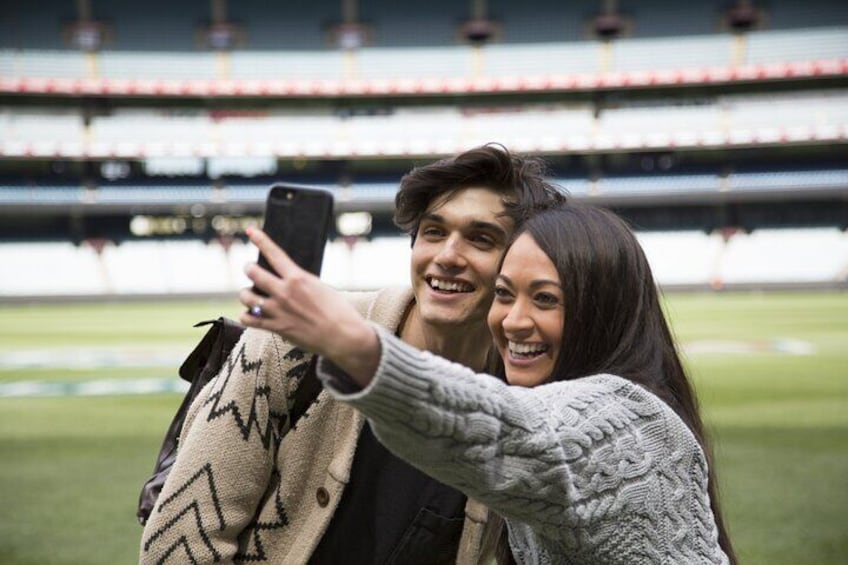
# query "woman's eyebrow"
(544, 282)
(535, 284)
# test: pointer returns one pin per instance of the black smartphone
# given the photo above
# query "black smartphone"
(298, 219)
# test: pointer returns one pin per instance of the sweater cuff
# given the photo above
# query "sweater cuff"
(338, 382)
(401, 385)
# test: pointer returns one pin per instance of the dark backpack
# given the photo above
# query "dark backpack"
(201, 366)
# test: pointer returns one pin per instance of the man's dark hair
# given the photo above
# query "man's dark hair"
(520, 180)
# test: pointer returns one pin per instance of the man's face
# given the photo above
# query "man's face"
(455, 257)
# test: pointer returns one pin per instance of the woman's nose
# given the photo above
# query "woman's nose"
(517, 320)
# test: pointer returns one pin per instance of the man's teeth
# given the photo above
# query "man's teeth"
(439, 284)
(527, 348)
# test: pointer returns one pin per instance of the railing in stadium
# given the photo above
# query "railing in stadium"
(658, 185)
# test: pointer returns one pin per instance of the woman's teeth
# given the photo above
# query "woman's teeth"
(527, 349)
(449, 286)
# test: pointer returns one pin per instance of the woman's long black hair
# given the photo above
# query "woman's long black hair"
(614, 322)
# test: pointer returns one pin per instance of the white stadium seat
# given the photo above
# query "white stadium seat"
(677, 258)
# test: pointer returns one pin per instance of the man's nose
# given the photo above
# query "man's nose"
(451, 255)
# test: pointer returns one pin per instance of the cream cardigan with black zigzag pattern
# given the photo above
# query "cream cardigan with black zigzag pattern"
(244, 487)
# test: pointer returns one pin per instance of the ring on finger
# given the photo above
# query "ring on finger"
(256, 310)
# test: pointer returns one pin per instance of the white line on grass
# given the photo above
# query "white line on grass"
(101, 387)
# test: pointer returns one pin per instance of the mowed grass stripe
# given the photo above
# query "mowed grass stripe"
(56, 325)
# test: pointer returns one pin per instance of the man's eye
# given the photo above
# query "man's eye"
(482, 239)
(432, 232)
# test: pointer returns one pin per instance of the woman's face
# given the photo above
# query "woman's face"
(526, 318)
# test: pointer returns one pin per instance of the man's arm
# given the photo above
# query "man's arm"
(226, 456)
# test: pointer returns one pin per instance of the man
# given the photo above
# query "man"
(246, 488)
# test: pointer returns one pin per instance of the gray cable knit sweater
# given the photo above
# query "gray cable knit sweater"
(595, 470)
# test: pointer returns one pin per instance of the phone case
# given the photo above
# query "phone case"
(298, 219)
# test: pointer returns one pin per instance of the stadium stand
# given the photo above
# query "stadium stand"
(720, 146)
(381, 195)
(785, 256)
(803, 117)
(28, 269)
(682, 258)
(167, 267)
(679, 259)
(302, 25)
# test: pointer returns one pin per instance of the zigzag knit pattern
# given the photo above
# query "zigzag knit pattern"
(190, 514)
(251, 545)
(596, 470)
(244, 486)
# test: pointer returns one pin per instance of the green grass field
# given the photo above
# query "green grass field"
(771, 371)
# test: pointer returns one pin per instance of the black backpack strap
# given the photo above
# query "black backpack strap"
(308, 390)
(212, 350)
(201, 366)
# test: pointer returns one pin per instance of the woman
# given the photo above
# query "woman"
(592, 451)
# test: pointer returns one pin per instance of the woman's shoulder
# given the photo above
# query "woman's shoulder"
(624, 447)
(624, 406)
(613, 388)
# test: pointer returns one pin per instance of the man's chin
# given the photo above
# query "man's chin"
(442, 317)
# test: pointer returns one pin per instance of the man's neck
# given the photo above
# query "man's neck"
(464, 344)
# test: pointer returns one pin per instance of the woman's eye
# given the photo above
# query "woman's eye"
(502, 293)
(547, 299)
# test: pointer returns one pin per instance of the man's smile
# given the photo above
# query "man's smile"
(449, 285)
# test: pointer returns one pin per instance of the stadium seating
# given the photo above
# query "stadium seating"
(50, 269)
(726, 120)
(785, 256)
(788, 180)
(689, 259)
(796, 45)
(682, 258)
(304, 25)
(676, 112)
(166, 267)
(381, 195)
(564, 64)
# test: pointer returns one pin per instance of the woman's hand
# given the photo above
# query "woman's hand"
(308, 313)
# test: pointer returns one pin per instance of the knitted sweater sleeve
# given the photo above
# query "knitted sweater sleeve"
(226, 456)
(574, 462)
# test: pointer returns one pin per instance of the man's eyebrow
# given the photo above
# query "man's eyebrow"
(475, 224)
(481, 225)
(433, 217)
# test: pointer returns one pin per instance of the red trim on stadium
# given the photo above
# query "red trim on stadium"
(409, 87)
